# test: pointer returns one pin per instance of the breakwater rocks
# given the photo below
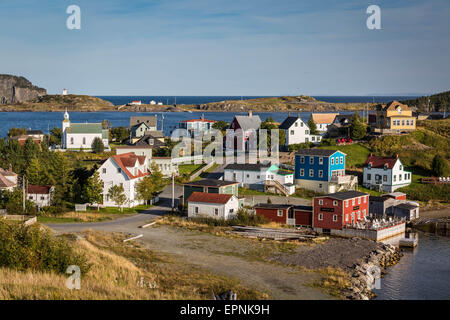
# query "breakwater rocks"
(367, 273)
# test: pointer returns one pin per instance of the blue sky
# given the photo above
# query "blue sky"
(228, 47)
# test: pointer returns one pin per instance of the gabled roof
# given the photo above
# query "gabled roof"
(317, 152)
(393, 105)
(34, 189)
(248, 166)
(380, 162)
(145, 141)
(151, 121)
(210, 183)
(215, 198)
(5, 183)
(248, 122)
(129, 160)
(324, 117)
(85, 128)
(155, 134)
(288, 122)
(136, 126)
(344, 195)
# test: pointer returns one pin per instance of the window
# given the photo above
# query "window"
(332, 161)
(196, 209)
(71, 140)
(334, 217)
(311, 172)
(248, 176)
(280, 213)
(321, 160)
(401, 167)
(406, 176)
(346, 203)
(301, 124)
(320, 202)
(395, 178)
(104, 170)
(403, 122)
(302, 172)
(342, 160)
(216, 211)
(119, 170)
(369, 176)
(353, 202)
(311, 160)
(292, 132)
(42, 198)
(409, 176)
(84, 140)
(302, 159)
(399, 177)
(313, 138)
(320, 173)
(359, 214)
(258, 177)
(365, 199)
(335, 203)
(364, 212)
(320, 186)
(359, 200)
(151, 141)
(384, 178)
(296, 124)
(320, 216)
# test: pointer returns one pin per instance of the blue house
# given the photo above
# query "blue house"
(322, 171)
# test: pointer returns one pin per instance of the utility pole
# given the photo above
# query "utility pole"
(173, 191)
(23, 193)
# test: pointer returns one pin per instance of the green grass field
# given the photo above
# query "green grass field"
(356, 154)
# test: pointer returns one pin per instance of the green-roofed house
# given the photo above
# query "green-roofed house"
(78, 136)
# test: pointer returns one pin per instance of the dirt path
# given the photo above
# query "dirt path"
(232, 257)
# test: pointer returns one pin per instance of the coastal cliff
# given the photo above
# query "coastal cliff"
(14, 89)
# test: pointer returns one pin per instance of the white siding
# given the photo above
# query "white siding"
(224, 211)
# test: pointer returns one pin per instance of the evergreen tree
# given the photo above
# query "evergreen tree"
(312, 126)
(357, 128)
(97, 145)
(92, 191)
(36, 173)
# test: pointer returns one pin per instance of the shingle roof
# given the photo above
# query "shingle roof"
(247, 166)
(85, 128)
(33, 189)
(129, 160)
(5, 183)
(379, 162)
(210, 183)
(288, 122)
(407, 206)
(324, 117)
(203, 197)
(248, 122)
(316, 152)
(151, 121)
(344, 195)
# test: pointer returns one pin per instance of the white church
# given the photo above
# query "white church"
(76, 136)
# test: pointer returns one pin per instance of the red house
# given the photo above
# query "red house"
(285, 213)
(337, 210)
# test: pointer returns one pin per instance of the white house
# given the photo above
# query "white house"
(385, 173)
(212, 205)
(197, 127)
(297, 131)
(323, 121)
(166, 165)
(8, 179)
(78, 136)
(258, 176)
(127, 170)
(40, 195)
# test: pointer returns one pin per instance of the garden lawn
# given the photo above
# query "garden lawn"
(356, 154)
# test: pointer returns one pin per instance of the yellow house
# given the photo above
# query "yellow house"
(395, 116)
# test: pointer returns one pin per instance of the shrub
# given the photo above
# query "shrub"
(30, 248)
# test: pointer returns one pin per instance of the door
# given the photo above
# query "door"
(290, 217)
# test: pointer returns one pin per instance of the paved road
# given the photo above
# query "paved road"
(221, 255)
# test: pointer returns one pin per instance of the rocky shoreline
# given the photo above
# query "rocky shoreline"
(366, 271)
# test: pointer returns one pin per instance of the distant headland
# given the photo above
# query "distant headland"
(19, 94)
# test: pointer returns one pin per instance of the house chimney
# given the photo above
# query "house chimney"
(250, 113)
(396, 156)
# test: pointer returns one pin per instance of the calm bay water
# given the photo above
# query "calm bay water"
(421, 274)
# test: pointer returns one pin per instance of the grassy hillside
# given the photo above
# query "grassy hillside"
(117, 271)
(356, 154)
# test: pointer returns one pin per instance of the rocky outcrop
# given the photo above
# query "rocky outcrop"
(15, 89)
(369, 269)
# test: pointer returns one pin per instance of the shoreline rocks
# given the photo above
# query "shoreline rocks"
(369, 269)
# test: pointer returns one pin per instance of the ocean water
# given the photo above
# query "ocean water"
(47, 120)
(170, 100)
